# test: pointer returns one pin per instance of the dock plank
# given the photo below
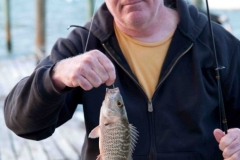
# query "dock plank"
(75, 139)
(51, 149)
(37, 151)
(7, 152)
(13, 70)
(74, 132)
(63, 145)
(21, 148)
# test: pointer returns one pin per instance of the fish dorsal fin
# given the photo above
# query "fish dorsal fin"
(133, 138)
(95, 132)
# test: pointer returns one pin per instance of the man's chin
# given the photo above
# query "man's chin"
(135, 18)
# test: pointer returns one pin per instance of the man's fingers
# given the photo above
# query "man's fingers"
(84, 83)
(100, 71)
(218, 134)
(93, 78)
(103, 67)
(235, 156)
(110, 69)
(87, 71)
(232, 149)
(227, 140)
(229, 143)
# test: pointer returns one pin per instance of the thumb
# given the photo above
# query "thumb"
(218, 134)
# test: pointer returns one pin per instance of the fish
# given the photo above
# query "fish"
(117, 137)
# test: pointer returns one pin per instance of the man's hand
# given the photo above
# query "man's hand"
(87, 70)
(229, 143)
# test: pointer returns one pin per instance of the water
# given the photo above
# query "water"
(233, 18)
(60, 14)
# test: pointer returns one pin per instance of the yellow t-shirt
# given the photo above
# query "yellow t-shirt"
(145, 59)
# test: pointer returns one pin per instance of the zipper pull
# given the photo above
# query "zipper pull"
(150, 107)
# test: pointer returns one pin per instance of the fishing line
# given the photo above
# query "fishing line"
(95, 7)
(94, 10)
(90, 28)
(222, 112)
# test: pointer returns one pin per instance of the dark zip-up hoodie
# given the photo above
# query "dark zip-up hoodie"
(176, 124)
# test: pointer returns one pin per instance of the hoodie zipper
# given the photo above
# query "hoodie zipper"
(125, 70)
(150, 105)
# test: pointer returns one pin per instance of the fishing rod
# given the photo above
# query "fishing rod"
(222, 112)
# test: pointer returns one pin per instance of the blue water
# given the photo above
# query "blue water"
(60, 14)
(233, 18)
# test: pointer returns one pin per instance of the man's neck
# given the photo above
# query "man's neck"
(164, 25)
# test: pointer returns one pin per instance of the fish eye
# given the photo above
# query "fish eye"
(119, 104)
(106, 124)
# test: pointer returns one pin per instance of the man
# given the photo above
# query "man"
(161, 60)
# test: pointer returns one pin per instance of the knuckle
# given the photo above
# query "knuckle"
(226, 153)
(85, 85)
(95, 52)
(81, 70)
(111, 71)
(94, 79)
(105, 77)
(90, 75)
(73, 77)
(74, 84)
(233, 146)
(235, 157)
(88, 60)
(109, 66)
(220, 147)
(223, 142)
(97, 82)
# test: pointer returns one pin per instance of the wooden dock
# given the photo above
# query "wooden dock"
(12, 70)
(64, 144)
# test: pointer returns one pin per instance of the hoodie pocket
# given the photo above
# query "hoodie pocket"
(179, 156)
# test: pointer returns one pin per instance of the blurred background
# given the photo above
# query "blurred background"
(28, 30)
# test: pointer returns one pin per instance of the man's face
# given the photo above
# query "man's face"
(132, 13)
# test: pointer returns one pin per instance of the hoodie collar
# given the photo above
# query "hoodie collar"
(102, 25)
(191, 22)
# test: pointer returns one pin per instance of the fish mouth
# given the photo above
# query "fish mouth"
(113, 90)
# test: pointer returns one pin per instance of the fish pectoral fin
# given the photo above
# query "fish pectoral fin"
(95, 132)
(133, 137)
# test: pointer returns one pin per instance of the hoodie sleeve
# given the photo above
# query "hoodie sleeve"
(34, 107)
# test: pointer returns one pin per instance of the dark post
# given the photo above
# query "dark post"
(8, 25)
(40, 29)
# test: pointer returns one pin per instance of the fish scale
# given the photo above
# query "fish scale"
(117, 138)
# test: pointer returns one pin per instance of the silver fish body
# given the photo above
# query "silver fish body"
(117, 138)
